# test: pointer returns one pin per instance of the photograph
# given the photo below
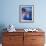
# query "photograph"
(26, 13)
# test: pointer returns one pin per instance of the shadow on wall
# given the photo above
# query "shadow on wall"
(2, 26)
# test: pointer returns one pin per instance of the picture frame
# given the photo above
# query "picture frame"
(26, 13)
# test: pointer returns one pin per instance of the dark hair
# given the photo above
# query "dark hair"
(23, 10)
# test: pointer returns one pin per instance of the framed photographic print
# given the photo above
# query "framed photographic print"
(26, 13)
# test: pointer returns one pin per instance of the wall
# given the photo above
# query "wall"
(9, 13)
